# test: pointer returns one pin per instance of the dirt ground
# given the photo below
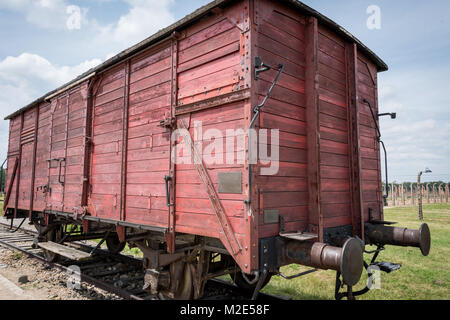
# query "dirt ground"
(41, 282)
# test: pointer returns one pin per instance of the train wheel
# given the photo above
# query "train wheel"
(240, 281)
(185, 289)
(114, 245)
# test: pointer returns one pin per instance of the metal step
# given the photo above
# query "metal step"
(299, 236)
(387, 267)
(64, 251)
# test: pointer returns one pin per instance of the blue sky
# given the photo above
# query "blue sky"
(40, 51)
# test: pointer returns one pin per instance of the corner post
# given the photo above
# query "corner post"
(315, 214)
(170, 236)
(33, 168)
(351, 56)
(125, 116)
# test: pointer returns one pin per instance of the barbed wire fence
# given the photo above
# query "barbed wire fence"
(407, 194)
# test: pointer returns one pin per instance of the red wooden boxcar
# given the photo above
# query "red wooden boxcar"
(104, 149)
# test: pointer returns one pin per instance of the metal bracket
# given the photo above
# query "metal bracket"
(260, 66)
(281, 223)
(392, 115)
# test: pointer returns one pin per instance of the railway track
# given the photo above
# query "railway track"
(115, 273)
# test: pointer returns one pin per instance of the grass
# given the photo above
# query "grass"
(135, 252)
(17, 255)
(420, 278)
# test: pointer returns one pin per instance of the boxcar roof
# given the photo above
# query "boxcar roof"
(191, 18)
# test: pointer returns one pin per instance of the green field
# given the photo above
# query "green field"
(420, 278)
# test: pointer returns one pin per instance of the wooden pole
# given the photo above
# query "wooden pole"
(447, 191)
(403, 194)
(419, 188)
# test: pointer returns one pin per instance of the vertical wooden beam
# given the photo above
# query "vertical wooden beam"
(48, 200)
(315, 214)
(87, 142)
(65, 150)
(351, 54)
(33, 168)
(125, 116)
(248, 52)
(16, 202)
(170, 236)
(89, 148)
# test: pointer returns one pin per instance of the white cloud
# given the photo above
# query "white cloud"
(48, 14)
(420, 136)
(144, 18)
(29, 76)
(26, 78)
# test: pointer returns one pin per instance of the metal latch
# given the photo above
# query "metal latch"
(168, 122)
(44, 188)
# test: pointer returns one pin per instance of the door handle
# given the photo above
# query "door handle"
(60, 165)
(167, 179)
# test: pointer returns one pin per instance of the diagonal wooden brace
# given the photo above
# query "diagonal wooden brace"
(212, 195)
(11, 183)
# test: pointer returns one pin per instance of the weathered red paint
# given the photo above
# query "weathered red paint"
(116, 154)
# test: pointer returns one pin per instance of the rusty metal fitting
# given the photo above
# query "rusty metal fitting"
(155, 281)
(347, 260)
(382, 235)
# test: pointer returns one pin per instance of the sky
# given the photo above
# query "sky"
(46, 43)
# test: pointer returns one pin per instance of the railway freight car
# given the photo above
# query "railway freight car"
(238, 140)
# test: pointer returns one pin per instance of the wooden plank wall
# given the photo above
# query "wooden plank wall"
(148, 143)
(13, 153)
(281, 39)
(58, 137)
(106, 157)
(42, 155)
(26, 166)
(334, 143)
(370, 148)
(75, 144)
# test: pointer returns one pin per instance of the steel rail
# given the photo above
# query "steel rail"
(84, 278)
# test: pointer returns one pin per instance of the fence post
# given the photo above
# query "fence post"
(394, 196)
(403, 194)
(435, 193)
(447, 191)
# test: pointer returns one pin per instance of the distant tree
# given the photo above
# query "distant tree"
(2, 183)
